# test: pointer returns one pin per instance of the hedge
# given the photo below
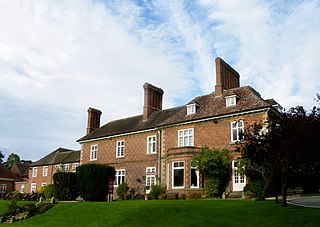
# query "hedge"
(92, 181)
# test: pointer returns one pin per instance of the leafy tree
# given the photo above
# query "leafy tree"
(284, 152)
(214, 165)
(12, 159)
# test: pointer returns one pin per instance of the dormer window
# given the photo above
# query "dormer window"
(191, 108)
(231, 100)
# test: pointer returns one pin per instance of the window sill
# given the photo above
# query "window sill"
(119, 156)
(93, 160)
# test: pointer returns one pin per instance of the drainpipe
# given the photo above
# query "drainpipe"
(159, 156)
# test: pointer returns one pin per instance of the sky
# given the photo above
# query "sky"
(58, 58)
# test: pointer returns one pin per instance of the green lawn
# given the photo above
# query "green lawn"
(175, 213)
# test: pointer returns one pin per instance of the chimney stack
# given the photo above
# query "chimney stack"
(93, 120)
(226, 77)
(152, 100)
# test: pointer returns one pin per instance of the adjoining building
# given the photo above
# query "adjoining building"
(7, 180)
(157, 146)
(41, 172)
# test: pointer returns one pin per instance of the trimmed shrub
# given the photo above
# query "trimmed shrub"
(156, 191)
(92, 181)
(50, 191)
(66, 185)
(212, 188)
(122, 190)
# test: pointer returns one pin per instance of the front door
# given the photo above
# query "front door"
(238, 180)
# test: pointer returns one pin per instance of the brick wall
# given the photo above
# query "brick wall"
(213, 133)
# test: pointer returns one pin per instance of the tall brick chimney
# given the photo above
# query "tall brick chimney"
(152, 100)
(93, 120)
(226, 77)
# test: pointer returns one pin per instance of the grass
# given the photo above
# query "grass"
(175, 213)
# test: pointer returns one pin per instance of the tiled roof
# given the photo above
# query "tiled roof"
(22, 168)
(5, 174)
(207, 106)
(61, 155)
(131, 124)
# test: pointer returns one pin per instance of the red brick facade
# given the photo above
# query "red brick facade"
(209, 125)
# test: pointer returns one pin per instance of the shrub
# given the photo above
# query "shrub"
(41, 190)
(44, 207)
(122, 190)
(92, 181)
(255, 188)
(50, 191)
(30, 209)
(156, 191)
(183, 196)
(212, 188)
(66, 185)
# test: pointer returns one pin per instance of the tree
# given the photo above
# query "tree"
(1, 157)
(12, 159)
(214, 165)
(287, 151)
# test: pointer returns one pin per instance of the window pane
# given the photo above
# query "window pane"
(178, 176)
(194, 178)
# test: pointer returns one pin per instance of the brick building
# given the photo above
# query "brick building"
(41, 172)
(21, 170)
(157, 146)
(7, 180)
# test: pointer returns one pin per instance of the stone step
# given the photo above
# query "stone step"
(235, 195)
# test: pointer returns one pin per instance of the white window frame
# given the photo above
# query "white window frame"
(74, 167)
(45, 171)
(150, 178)
(191, 109)
(197, 175)
(231, 100)
(151, 144)
(120, 177)
(237, 127)
(33, 187)
(186, 137)
(66, 167)
(178, 168)
(34, 171)
(120, 149)
(43, 184)
(94, 152)
(22, 188)
(3, 188)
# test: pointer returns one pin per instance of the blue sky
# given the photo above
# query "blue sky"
(57, 58)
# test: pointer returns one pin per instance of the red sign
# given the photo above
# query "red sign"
(110, 186)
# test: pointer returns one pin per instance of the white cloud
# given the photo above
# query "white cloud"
(57, 58)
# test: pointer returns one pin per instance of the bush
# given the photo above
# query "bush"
(254, 189)
(44, 207)
(212, 188)
(30, 209)
(92, 181)
(66, 185)
(122, 190)
(50, 191)
(156, 191)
